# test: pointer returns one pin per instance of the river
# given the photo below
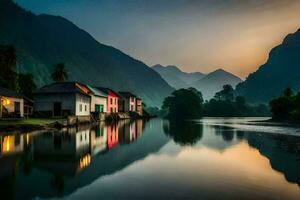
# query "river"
(210, 158)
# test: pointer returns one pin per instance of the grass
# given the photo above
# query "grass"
(29, 121)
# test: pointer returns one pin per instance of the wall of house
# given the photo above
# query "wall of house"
(112, 104)
(83, 105)
(139, 107)
(45, 102)
(11, 106)
(132, 104)
(99, 101)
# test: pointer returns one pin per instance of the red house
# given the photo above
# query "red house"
(112, 100)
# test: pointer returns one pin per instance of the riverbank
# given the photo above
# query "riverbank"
(29, 124)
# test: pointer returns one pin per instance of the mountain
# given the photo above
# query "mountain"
(41, 41)
(282, 70)
(214, 81)
(177, 78)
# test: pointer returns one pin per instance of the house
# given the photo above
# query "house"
(112, 99)
(11, 104)
(63, 99)
(139, 106)
(98, 100)
(127, 102)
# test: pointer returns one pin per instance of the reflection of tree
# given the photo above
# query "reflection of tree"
(240, 135)
(184, 133)
(226, 132)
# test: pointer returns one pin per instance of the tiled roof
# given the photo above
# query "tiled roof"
(106, 90)
(96, 91)
(9, 93)
(63, 87)
(127, 94)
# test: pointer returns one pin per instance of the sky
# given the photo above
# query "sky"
(195, 35)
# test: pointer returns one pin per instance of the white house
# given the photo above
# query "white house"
(98, 100)
(11, 103)
(63, 99)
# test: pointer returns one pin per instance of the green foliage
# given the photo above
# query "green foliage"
(60, 73)
(26, 84)
(8, 61)
(224, 105)
(183, 104)
(286, 107)
(226, 94)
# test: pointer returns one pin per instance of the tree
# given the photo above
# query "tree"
(183, 104)
(240, 101)
(226, 94)
(26, 84)
(60, 73)
(286, 106)
(8, 62)
(288, 92)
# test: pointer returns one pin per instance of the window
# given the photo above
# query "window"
(85, 108)
(111, 110)
(80, 107)
(111, 101)
(115, 101)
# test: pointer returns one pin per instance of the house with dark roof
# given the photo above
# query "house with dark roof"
(11, 103)
(112, 99)
(127, 102)
(63, 99)
(98, 100)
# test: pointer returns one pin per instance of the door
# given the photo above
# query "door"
(99, 108)
(57, 109)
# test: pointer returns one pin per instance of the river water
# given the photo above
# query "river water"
(211, 158)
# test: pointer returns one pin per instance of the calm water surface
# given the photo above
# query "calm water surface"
(212, 158)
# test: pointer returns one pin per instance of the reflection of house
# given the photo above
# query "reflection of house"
(64, 98)
(11, 103)
(130, 131)
(112, 99)
(127, 102)
(112, 135)
(98, 100)
(139, 106)
(63, 152)
(98, 139)
(11, 144)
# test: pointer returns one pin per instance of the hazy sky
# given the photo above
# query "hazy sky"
(196, 35)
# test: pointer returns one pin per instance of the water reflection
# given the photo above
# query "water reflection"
(183, 133)
(108, 160)
(53, 161)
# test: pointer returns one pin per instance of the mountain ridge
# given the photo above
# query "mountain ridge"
(47, 40)
(278, 73)
(208, 84)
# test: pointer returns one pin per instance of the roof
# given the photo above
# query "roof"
(63, 87)
(96, 91)
(107, 90)
(127, 94)
(9, 93)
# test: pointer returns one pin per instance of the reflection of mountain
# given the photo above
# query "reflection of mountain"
(282, 151)
(66, 161)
